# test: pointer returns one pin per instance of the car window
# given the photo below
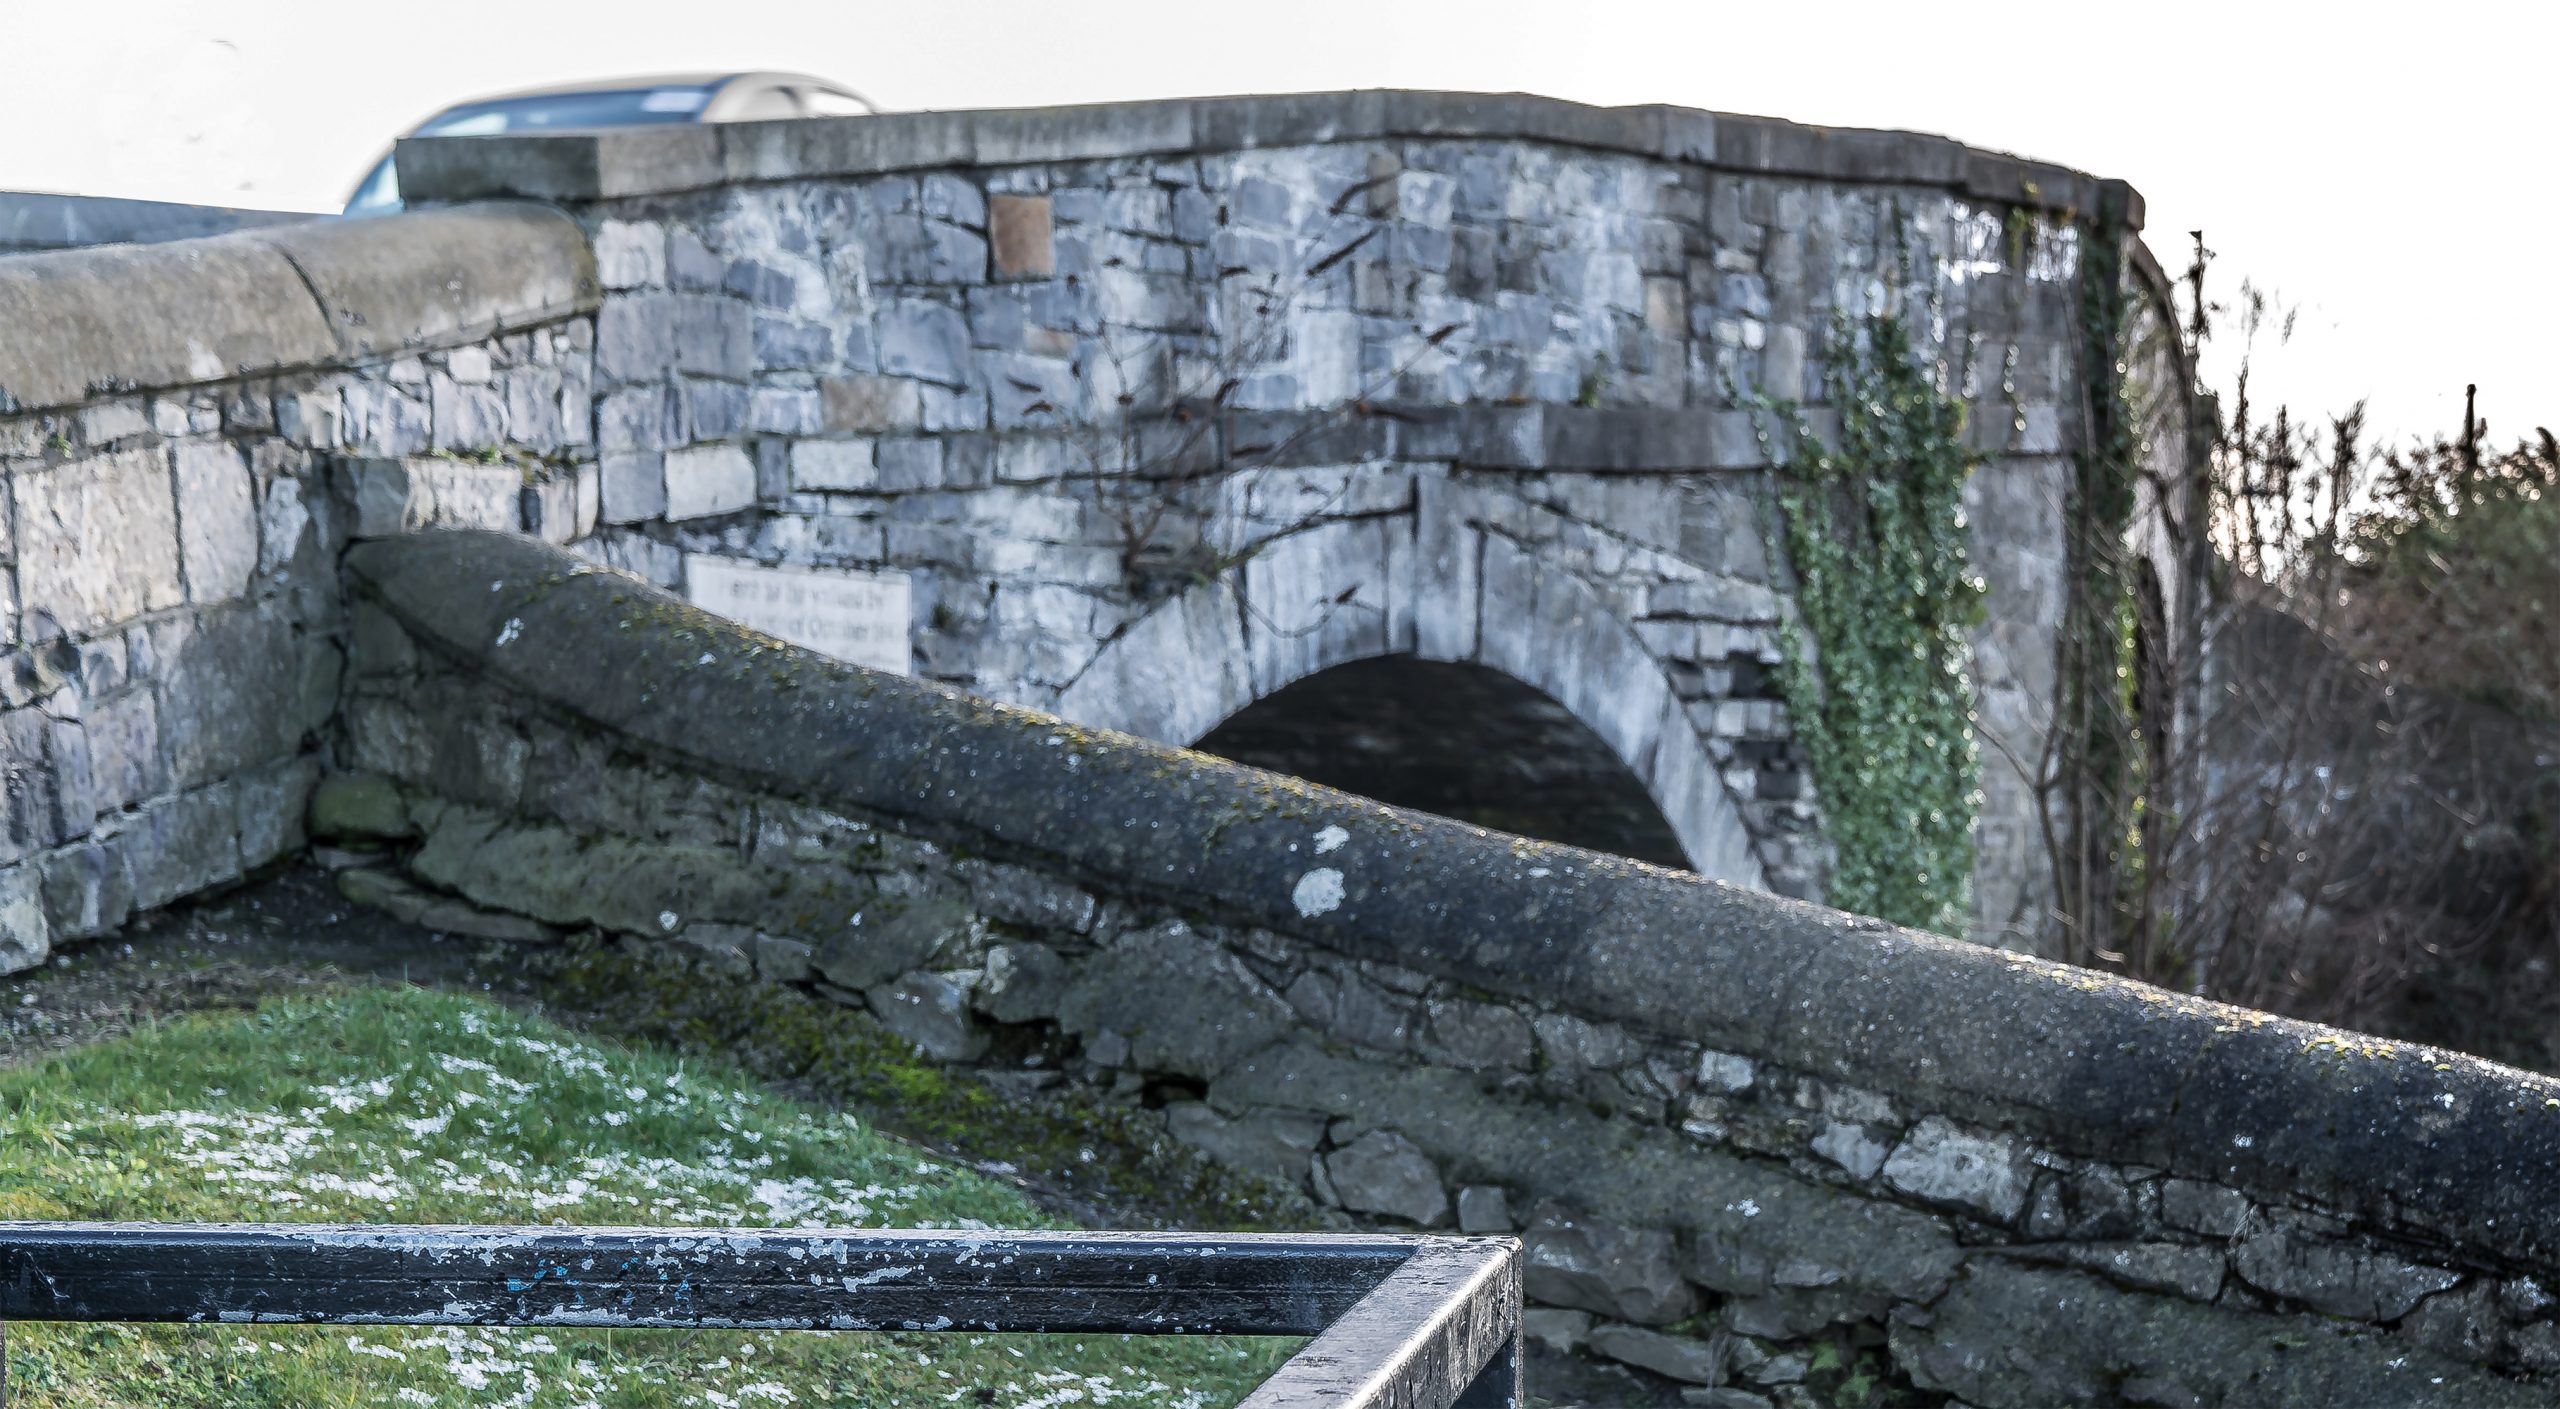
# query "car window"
(628, 107)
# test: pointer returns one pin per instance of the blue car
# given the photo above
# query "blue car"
(621, 102)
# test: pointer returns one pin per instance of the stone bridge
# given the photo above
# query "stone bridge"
(1470, 518)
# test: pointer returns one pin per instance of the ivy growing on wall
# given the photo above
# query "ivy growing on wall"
(1877, 672)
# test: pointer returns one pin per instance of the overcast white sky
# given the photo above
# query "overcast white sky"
(2391, 168)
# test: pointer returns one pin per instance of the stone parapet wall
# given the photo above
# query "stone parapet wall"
(189, 436)
(1733, 1129)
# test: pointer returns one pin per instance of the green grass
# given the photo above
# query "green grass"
(408, 1106)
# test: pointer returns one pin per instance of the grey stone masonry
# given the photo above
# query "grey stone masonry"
(1159, 408)
(2031, 1184)
(171, 653)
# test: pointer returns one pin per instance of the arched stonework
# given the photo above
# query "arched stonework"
(1349, 590)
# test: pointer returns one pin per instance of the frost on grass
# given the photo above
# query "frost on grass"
(414, 1107)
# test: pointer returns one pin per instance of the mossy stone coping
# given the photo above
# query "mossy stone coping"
(2412, 1139)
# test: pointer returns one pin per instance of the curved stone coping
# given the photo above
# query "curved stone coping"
(645, 161)
(41, 220)
(2412, 1139)
(80, 324)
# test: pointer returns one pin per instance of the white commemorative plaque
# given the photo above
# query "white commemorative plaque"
(862, 617)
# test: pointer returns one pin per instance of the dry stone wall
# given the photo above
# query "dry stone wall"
(1491, 359)
(1732, 1129)
(170, 633)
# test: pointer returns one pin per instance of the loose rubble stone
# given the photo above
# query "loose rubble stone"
(1631, 1274)
(360, 807)
(1275, 1144)
(1382, 1172)
(1484, 1208)
(1677, 1357)
(1024, 982)
(932, 1012)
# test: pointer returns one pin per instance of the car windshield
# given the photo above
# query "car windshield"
(621, 107)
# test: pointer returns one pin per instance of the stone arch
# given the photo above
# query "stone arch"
(1348, 590)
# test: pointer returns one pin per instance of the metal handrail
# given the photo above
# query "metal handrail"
(1411, 1322)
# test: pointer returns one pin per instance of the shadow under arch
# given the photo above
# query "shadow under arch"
(1354, 590)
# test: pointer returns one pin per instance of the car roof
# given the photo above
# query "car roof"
(627, 83)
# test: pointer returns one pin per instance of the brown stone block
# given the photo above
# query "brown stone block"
(1020, 237)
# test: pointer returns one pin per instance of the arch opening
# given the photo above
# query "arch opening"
(1460, 740)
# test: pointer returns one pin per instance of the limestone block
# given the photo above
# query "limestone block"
(465, 417)
(1017, 896)
(359, 807)
(1339, 1002)
(25, 937)
(869, 403)
(272, 803)
(1681, 1358)
(925, 340)
(123, 745)
(87, 891)
(931, 1012)
(891, 937)
(780, 960)
(1475, 1036)
(2338, 1278)
(840, 465)
(1484, 1208)
(1023, 982)
(632, 488)
(1555, 1328)
(550, 507)
(1629, 1273)
(703, 480)
(238, 688)
(183, 845)
(1383, 1173)
(1851, 1148)
(1185, 1003)
(218, 525)
(392, 496)
(98, 540)
(2198, 1207)
(1272, 1143)
(1986, 1174)
(630, 254)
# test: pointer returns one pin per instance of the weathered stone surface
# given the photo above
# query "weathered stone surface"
(1986, 1175)
(1851, 1148)
(1275, 1144)
(239, 687)
(1017, 896)
(1020, 238)
(1184, 1004)
(780, 960)
(25, 935)
(930, 1011)
(703, 480)
(1556, 1328)
(2342, 1280)
(180, 845)
(87, 892)
(2181, 1268)
(926, 340)
(1476, 1036)
(865, 403)
(1681, 1358)
(1382, 1173)
(1340, 1002)
(2093, 1340)
(2209, 1209)
(1484, 1208)
(1024, 982)
(2464, 1324)
(890, 937)
(217, 520)
(360, 807)
(98, 540)
(1629, 1273)
(394, 496)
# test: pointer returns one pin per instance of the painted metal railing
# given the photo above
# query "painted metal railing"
(1407, 1322)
